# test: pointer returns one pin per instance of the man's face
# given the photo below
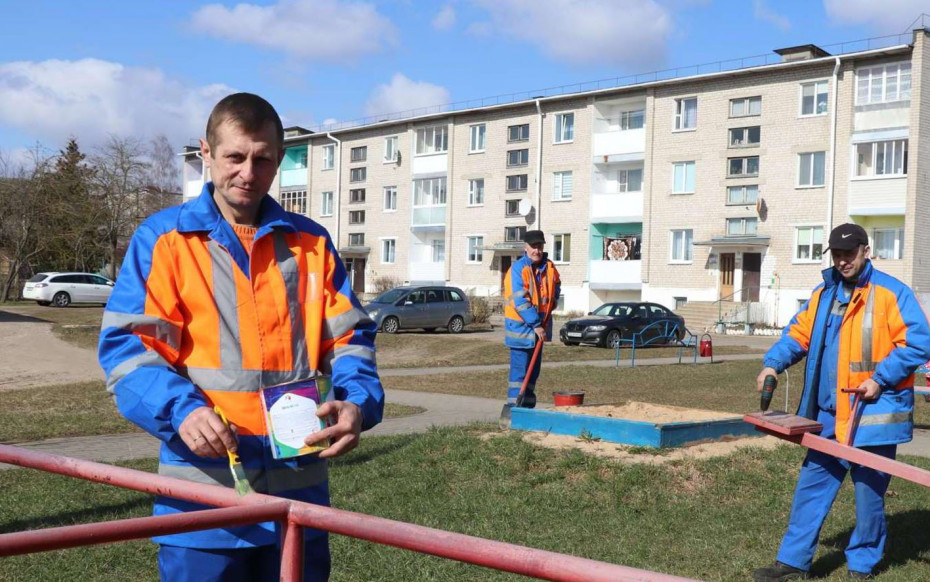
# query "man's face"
(850, 263)
(242, 165)
(534, 251)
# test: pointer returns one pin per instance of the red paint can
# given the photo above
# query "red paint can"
(706, 348)
(568, 398)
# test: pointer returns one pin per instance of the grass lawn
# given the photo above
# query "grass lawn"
(712, 519)
(83, 409)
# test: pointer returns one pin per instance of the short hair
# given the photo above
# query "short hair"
(248, 111)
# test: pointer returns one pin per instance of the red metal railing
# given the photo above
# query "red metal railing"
(295, 516)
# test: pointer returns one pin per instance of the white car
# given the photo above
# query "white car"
(63, 289)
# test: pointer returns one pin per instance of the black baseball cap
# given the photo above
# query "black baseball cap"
(533, 237)
(847, 236)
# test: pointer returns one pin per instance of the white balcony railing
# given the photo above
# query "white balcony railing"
(426, 271)
(296, 177)
(609, 143)
(616, 274)
(192, 188)
(877, 196)
(623, 207)
(429, 216)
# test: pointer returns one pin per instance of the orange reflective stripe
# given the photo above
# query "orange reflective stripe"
(244, 409)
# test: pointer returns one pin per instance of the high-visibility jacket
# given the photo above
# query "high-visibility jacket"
(531, 292)
(194, 320)
(884, 335)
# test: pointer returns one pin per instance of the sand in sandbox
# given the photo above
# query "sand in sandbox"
(646, 412)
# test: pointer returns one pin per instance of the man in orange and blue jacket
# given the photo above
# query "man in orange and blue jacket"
(531, 289)
(216, 299)
(861, 329)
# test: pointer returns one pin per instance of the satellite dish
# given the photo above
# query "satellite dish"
(526, 206)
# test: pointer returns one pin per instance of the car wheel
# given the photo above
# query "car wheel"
(61, 299)
(390, 325)
(44, 303)
(613, 339)
(456, 324)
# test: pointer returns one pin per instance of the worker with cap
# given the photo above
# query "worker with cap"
(531, 292)
(864, 330)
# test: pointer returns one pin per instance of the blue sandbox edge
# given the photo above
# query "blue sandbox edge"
(626, 431)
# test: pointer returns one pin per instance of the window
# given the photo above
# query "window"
(742, 194)
(512, 208)
(356, 196)
(326, 201)
(518, 133)
(390, 149)
(743, 166)
(741, 137)
(564, 127)
(561, 248)
(632, 119)
(516, 183)
(884, 83)
(686, 113)
(742, 226)
(809, 245)
(329, 156)
(882, 158)
(388, 251)
(429, 192)
(630, 180)
(359, 154)
(356, 239)
(814, 98)
(745, 106)
(887, 243)
(439, 251)
(390, 198)
(562, 185)
(435, 296)
(514, 233)
(454, 295)
(518, 158)
(475, 254)
(683, 178)
(476, 192)
(294, 201)
(682, 246)
(358, 174)
(811, 169)
(432, 140)
(356, 217)
(476, 141)
(680, 302)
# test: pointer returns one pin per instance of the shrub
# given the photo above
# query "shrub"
(480, 309)
(573, 314)
(384, 283)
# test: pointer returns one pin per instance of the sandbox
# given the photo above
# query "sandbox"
(634, 423)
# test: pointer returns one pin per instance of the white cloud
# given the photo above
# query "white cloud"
(888, 17)
(402, 94)
(445, 19)
(313, 30)
(766, 14)
(605, 32)
(91, 99)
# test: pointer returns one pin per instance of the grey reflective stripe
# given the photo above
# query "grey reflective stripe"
(339, 325)
(287, 264)
(544, 300)
(861, 367)
(227, 306)
(242, 380)
(146, 358)
(363, 352)
(147, 325)
(516, 294)
(866, 338)
(526, 305)
(274, 481)
(890, 418)
(514, 384)
(519, 335)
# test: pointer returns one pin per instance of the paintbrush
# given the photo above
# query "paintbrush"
(235, 466)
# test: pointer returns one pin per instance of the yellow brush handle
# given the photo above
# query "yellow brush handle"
(233, 457)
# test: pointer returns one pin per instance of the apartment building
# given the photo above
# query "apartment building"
(705, 187)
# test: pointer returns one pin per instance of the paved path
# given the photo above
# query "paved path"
(31, 355)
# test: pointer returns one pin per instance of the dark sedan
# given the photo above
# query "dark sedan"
(611, 322)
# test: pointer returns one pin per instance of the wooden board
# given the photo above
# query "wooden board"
(783, 423)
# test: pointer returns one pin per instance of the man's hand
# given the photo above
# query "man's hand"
(540, 333)
(872, 389)
(205, 434)
(343, 435)
(765, 372)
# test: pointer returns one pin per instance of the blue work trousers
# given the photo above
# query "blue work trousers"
(819, 482)
(260, 564)
(519, 368)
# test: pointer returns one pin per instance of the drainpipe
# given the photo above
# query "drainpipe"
(449, 169)
(539, 143)
(831, 186)
(337, 195)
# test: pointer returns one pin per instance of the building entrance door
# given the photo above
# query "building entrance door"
(355, 267)
(752, 267)
(727, 269)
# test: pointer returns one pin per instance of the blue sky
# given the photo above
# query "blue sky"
(98, 68)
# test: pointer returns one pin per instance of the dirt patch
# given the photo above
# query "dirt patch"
(646, 412)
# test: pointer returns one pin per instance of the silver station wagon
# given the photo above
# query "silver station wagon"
(425, 307)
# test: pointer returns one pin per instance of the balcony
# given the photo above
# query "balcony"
(434, 272)
(192, 188)
(619, 146)
(877, 196)
(621, 207)
(291, 178)
(430, 164)
(616, 275)
(429, 217)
